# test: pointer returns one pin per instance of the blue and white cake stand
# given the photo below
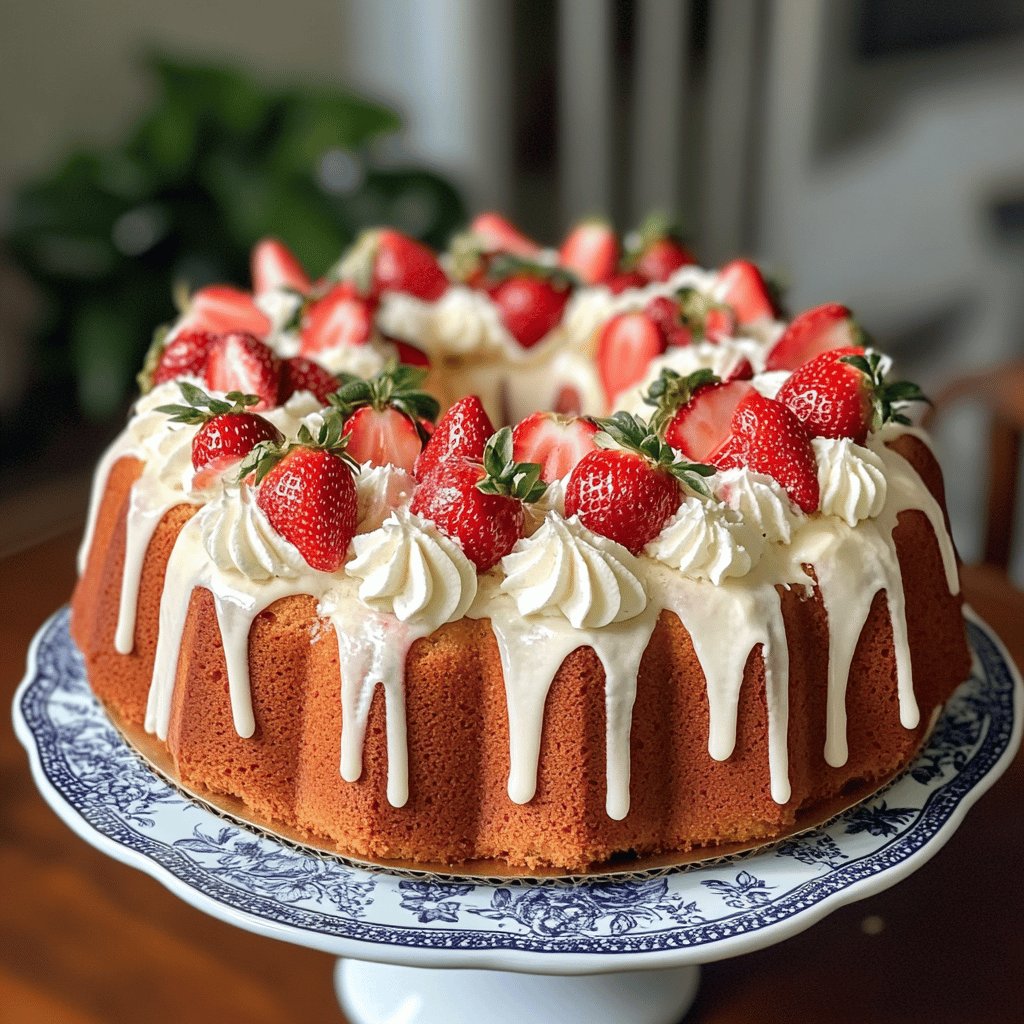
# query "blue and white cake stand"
(623, 950)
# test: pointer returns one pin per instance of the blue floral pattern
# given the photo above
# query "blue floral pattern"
(93, 778)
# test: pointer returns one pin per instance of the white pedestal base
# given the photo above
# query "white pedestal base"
(384, 994)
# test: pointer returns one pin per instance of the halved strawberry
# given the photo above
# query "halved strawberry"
(240, 362)
(307, 491)
(767, 438)
(480, 504)
(591, 251)
(462, 431)
(844, 393)
(219, 308)
(496, 234)
(340, 318)
(227, 430)
(625, 280)
(185, 355)
(667, 314)
(274, 266)
(813, 332)
(694, 413)
(625, 347)
(741, 286)
(301, 374)
(383, 415)
(385, 260)
(530, 304)
(410, 355)
(556, 442)
(631, 486)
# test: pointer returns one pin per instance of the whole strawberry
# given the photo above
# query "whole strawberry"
(630, 488)
(657, 252)
(844, 393)
(301, 374)
(385, 260)
(462, 432)
(530, 299)
(307, 492)
(227, 433)
(385, 415)
(184, 355)
(480, 504)
(767, 438)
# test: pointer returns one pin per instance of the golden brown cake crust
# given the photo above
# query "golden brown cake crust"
(457, 719)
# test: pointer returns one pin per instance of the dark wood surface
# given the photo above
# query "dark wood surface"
(85, 939)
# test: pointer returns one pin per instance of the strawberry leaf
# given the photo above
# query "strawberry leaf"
(329, 436)
(671, 391)
(887, 397)
(397, 386)
(506, 477)
(201, 407)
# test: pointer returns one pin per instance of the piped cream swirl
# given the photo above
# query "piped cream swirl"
(707, 542)
(565, 569)
(238, 538)
(759, 501)
(379, 491)
(851, 479)
(409, 568)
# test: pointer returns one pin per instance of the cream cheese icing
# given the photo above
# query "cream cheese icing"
(760, 501)
(851, 479)
(379, 491)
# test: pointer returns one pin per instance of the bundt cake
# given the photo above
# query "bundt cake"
(707, 589)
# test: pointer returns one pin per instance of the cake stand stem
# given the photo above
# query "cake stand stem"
(372, 993)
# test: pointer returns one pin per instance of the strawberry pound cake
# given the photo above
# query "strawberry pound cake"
(702, 592)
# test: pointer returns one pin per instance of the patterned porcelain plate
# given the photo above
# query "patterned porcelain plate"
(95, 782)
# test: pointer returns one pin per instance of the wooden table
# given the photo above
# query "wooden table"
(86, 939)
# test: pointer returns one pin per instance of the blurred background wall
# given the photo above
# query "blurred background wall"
(868, 151)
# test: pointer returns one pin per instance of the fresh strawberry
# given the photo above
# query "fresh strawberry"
(219, 308)
(462, 432)
(530, 304)
(567, 401)
(667, 314)
(481, 504)
(694, 413)
(227, 430)
(274, 266)
(301, 374)
(410, 355)
(556, 442)
(844, 393)
(496, 234)
(240, 362)
(657, 252)
(307, 491)
(625, 347)
(339, 318)
(813, 332)
(185, 355)
(383, 415)
(591, 251)
(630, 486)
(741, 286)
(385, 260)
(624, 280)
(767, 438)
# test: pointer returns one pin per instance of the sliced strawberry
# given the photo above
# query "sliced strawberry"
(813, 332)
(340, 318)
(621, 282)
(307, 492)
(462, 431)
(767, 438)
(274, 266)
(625, 347)
(629, 493)
(481, 504)
(227, 430)
(301, 374)
(555, 442)
(383, 416)
(844, 393)
(741, 286)
(694, 413)
(185, 355)
(529, 306)
(219, 309)
(591, 251)
(410, 355)
(240, 362)
(496, 234)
